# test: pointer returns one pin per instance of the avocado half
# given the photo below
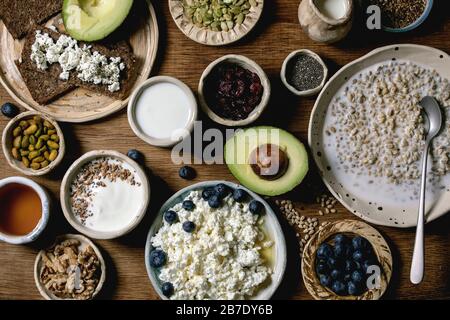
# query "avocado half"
(238, 155)
(93, 20)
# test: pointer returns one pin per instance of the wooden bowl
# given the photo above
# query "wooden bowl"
(7, 142)
(214, 38)
(248, 64)
(39, 266)
(65, 195)
(304, 93)
(352, 227)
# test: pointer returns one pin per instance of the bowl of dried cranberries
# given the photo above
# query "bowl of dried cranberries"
(234, 90)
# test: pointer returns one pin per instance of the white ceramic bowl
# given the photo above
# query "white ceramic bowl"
(271, 225)
(248, 64)
(166, 142)
(305, 93)
(65, 195)
(45, 202)
(84, 242)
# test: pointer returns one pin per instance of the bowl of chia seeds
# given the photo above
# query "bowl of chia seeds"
(402, 15)
(304, 73)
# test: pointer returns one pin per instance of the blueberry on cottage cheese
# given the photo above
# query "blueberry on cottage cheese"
(189, 226)
(9, 110)
(256, 207)
(170, 216)
(215, 202)
(167, 289)
(188, 205)
(222, 190)
(208, 193)
(240, 195)
(157, 258)
(187, 173)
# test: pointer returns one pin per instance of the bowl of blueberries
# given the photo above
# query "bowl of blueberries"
(215, 193)
(347, 260)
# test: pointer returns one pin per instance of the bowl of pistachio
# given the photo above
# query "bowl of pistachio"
(33, 143)
(216, 22)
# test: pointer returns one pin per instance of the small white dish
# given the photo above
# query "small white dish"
(271, 226)
(65, 195)
(84, 242)
(179, 133)
(45, 202)
(284, 69)
(245, 63)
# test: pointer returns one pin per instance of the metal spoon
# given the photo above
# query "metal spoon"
(433, 118)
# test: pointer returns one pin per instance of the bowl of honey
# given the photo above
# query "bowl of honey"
(24, 210)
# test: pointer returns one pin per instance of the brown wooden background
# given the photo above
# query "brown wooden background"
(274, 38)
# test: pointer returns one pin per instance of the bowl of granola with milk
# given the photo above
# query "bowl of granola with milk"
(215, 240)
(105, 194)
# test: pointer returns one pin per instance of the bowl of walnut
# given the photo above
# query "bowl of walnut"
(72, 269)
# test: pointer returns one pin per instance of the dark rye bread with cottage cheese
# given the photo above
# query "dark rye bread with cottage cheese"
(20, 16)
(46, 86)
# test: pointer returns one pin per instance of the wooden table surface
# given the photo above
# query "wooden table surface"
(275, 37)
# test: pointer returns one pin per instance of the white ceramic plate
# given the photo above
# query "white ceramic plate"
(271, 226)
(357, 199)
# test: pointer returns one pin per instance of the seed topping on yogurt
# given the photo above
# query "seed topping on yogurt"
(106, 194)
(206, 251)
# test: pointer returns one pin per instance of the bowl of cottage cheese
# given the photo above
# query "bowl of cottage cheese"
(215, 240)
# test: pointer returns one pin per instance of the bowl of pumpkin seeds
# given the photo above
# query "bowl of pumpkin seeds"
(33, 143)
(216, 22)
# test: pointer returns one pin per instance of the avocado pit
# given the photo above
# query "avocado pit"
(269, 162)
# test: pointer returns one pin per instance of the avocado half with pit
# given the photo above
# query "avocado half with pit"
(93, 20)
(267, 160)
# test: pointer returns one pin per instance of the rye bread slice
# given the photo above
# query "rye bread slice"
(45, 85)
(20, 16)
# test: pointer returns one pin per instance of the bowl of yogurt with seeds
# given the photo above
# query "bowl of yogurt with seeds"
(104, 194)
(215, 240)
